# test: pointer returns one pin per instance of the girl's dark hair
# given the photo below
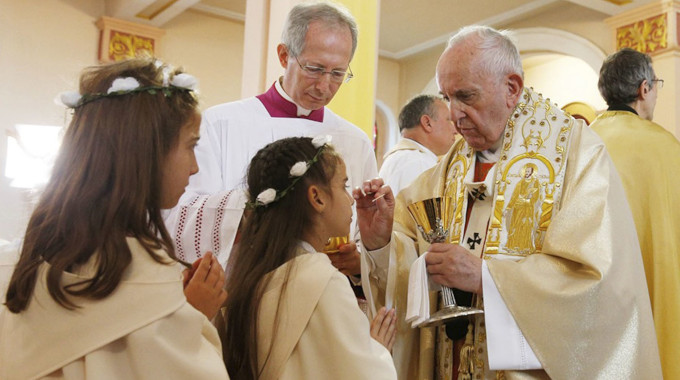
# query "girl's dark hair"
(268, 240)
(105, 186)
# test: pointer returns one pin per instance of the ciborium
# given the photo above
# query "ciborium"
(433, 217)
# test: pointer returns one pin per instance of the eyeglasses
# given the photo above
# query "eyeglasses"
(659, 82)
(316, 72)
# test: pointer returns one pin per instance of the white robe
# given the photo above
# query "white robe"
(404, 163)
(232, 133)
(322, 333)
(144, 330)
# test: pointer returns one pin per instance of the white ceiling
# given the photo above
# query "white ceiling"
(407, 27)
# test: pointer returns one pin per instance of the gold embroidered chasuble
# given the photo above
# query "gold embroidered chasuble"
(560, 246)
(647, 158)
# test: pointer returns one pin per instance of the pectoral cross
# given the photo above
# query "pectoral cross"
(475, 239)
(478, 193)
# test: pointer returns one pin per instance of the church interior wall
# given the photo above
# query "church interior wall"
(575, 19)
(387, 87)
(44, 45)
(416, 72)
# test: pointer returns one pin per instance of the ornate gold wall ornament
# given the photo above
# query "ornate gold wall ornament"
(646, 36)
(125, 45)
(121, 39)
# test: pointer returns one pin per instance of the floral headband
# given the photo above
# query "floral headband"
(130, 85)
(296, 172)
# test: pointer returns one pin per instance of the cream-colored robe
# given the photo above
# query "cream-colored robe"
(647, 158)
(581, 304)
(144, 330)
(321, 332)
(404, 162)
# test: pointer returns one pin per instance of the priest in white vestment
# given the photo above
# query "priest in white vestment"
(567, 299)
(426, 133)
(316, 63)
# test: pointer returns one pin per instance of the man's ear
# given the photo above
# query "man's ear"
(643, 90)
(425, 122)
(282, 52)
(515, 84)
(317, 198)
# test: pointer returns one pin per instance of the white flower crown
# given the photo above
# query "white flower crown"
(296, 172)
(130, 85)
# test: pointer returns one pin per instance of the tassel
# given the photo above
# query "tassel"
(467, 357)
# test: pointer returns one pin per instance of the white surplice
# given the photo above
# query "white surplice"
(232, 133)
(404, 163)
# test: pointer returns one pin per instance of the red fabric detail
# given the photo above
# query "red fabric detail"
(481, 170)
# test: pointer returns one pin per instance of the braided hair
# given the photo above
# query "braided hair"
(268, 240)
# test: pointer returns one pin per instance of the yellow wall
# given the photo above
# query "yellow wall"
(355, 100)
(44, 44)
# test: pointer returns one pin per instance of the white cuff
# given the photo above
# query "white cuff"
(506, 345)
(380, 261)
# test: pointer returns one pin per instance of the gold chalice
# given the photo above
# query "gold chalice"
(433, 217)
(334, 243)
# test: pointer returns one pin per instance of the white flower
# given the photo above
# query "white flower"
(185, 80)
(166, 76)
(321, 140)
(266, 197)
(123, 84)
(298, 169)
(70, 98)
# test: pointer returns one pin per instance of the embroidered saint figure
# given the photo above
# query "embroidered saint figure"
(521, 218)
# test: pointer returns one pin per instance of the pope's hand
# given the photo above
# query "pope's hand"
(375, 213)
(347, 259)
(455, 267)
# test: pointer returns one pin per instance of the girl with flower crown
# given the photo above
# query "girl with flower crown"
(97, 292)
(292, 314)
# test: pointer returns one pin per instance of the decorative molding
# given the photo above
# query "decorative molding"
(389, 135)
(216, 11)
(531, 40)
(652, 29)
(148, 12)
(619, 2)
(499, 19)
(121, 39)
(639, 13)
(542, 40)
(609, 7)
(647, 36)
